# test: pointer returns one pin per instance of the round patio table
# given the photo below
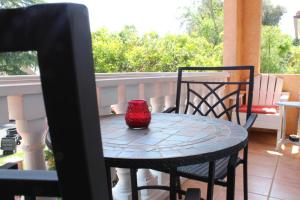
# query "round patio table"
(170, 141)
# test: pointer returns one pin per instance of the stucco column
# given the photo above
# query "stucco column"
(242, 32)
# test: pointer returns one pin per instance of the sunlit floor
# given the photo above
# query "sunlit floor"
(272, 174)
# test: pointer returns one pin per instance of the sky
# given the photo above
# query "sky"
(162, 16)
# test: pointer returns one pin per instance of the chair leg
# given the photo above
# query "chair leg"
(178, 185)
(7, 197)
(231, 177)
(211, 180)
(245, 172)
(109, 185)
(29, 198)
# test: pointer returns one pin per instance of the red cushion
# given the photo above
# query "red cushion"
(261, 109)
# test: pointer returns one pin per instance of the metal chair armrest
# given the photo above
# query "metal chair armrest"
(170, 110)
(250, 121)
(193, 194)
(29, 183)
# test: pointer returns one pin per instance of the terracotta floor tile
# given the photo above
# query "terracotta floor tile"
(288, 151)
(262, 159)
(285, 190)
(267, 171)
(286, 174)
(256, 184)
(239, 195)
(261, 170)
(260, 148)
(264, 164)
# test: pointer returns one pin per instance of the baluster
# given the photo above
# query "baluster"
(122, 191)
(29, 114)
(145, 177)
(171, 97)
(198, 88)
(120, 108)
(221, 92)
(106, 96)
(146, 91)
(3, 110)
(203, 93)
(157, 102)
(183, 96)
(212, 98)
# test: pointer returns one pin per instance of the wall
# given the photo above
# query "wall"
(242, 28)
(291, 83)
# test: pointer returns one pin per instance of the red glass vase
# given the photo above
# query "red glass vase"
(138, 114)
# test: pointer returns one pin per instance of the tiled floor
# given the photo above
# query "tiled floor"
(272, 174)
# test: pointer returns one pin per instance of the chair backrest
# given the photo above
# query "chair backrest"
(209, 98)
(63, 48)
(267, 89)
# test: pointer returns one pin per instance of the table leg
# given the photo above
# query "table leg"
(284, 124)
(134, 189)
(298, 129)
(172, 183)
(211, 180)
(281, 137)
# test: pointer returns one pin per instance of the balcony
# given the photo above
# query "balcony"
(270, 172)
(21, 100)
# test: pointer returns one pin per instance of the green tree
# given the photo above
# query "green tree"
(271, 14)
(127, 51)
(294, 62)
(205, 18)
(275, 50)
(17, 3)
(15, 63)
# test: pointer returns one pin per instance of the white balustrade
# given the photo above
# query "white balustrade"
(21, 100)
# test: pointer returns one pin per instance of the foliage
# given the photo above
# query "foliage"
(271, 14)
(294, 62)
(17, 3)
(127, 51)
(278, 55)
(13, 63)
(49, 158)
(16, 63)
(205, 18)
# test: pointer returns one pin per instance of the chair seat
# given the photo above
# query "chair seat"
(261, 109)
(200, 171)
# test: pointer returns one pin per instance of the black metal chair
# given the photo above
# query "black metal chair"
(63, 47)
(215, 172)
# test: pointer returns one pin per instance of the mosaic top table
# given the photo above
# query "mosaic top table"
(171, 140)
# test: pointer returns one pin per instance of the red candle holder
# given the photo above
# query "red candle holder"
(138, 114)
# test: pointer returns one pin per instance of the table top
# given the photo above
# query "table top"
(290, 103)
(174, 138)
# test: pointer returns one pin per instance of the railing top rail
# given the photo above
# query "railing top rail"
(30, 84)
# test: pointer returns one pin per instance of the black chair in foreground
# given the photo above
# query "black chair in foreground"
(61, 36)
